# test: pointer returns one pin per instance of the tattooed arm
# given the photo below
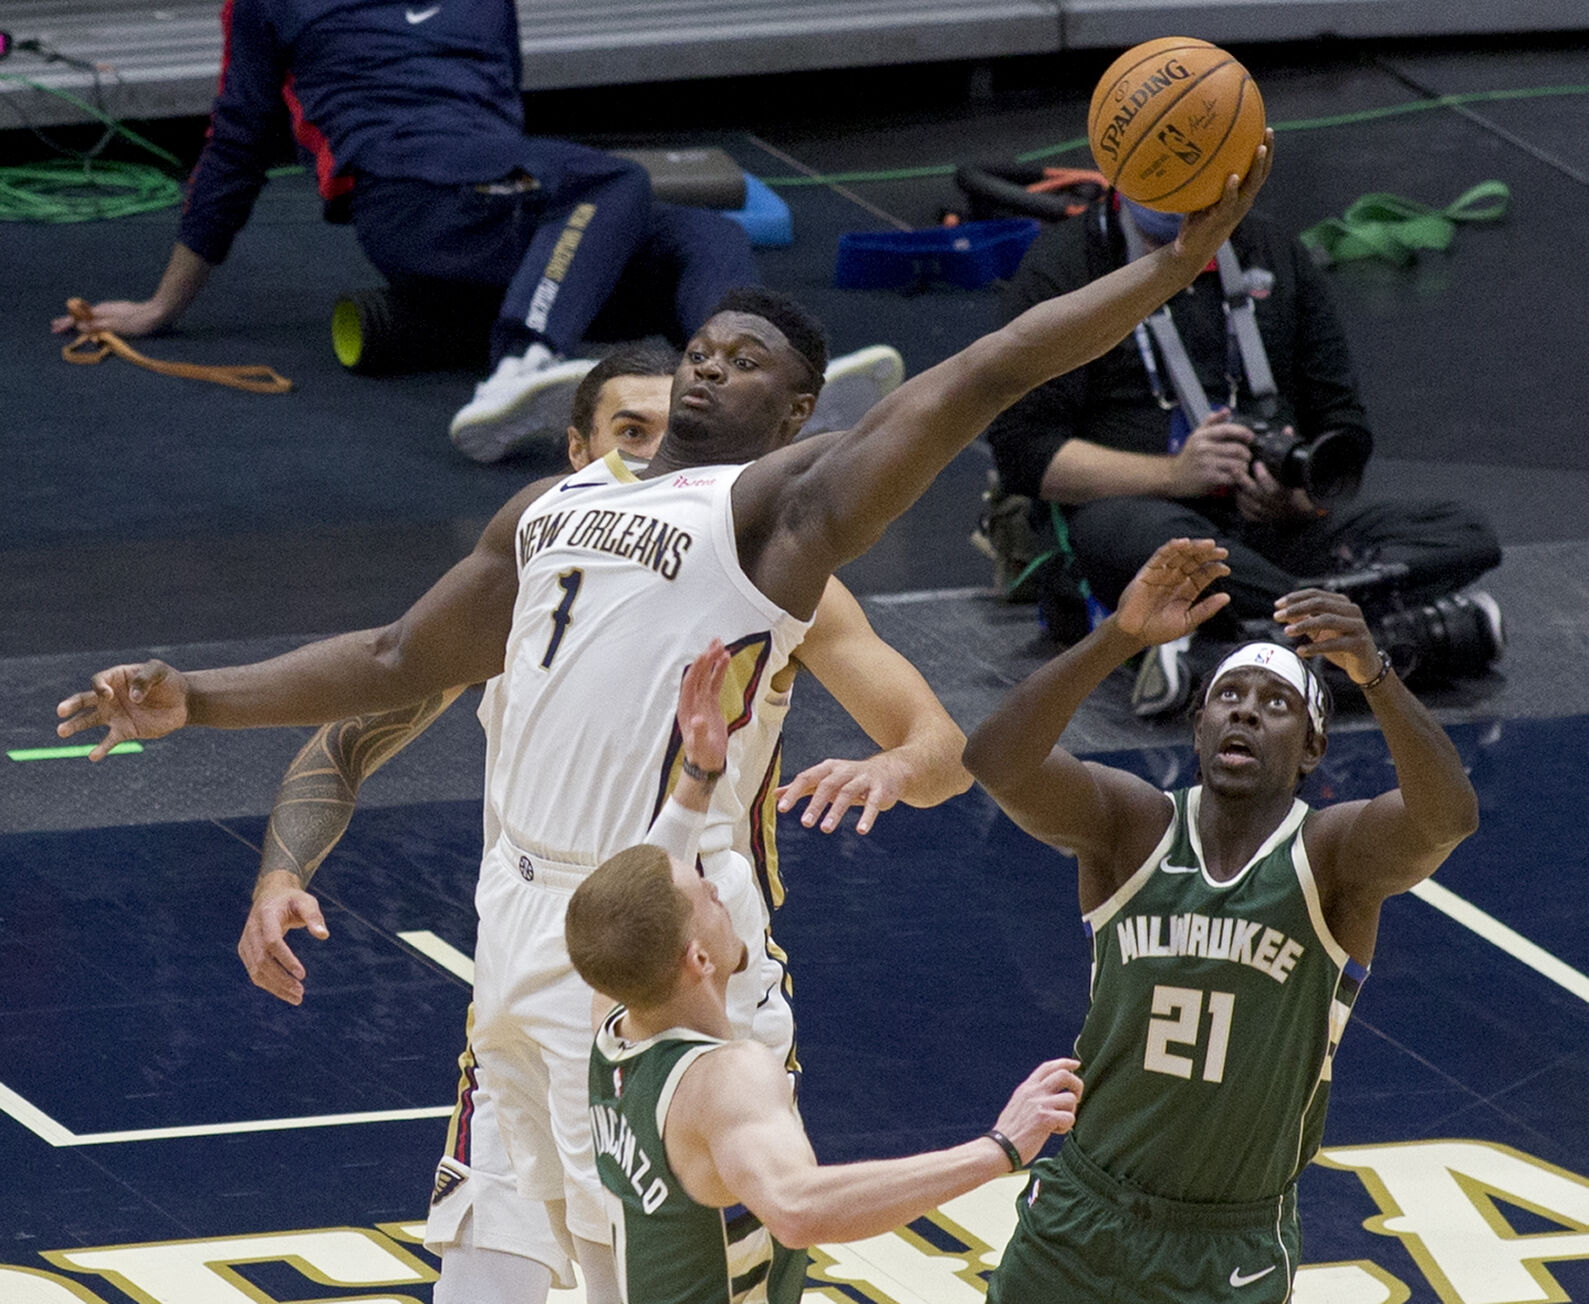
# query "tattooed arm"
(313, 807)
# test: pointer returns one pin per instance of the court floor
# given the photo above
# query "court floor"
(174, 1135)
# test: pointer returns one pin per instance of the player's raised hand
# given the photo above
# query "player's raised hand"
(280, 905)
(147, 701)
(1043, 1105)
(1331, 626)
(1166, 599)
(1203, 232)
(701, 723)
(834, 786)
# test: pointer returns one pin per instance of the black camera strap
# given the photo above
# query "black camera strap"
(1241, 323)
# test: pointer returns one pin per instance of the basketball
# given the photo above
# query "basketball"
(1171, 119)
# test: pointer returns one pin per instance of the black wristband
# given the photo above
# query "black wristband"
(1384, 672)
(1008, 1146)
(698, 774)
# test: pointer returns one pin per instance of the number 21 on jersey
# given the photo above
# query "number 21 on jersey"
(1177, 1020)
(562, 614)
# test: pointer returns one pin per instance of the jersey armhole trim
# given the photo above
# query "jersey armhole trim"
(1310, 894)
(1101, 915)
(727, 548)
(675, 1076)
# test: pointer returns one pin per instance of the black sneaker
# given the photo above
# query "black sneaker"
(1164, 681)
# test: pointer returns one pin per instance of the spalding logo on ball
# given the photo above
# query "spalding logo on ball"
(1171, 119)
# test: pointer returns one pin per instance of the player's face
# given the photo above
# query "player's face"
(1253, 734)
(741, 381)
(710, 924)
(630, 415)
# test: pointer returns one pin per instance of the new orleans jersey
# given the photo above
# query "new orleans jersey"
(622, 583)
(1216, 1011)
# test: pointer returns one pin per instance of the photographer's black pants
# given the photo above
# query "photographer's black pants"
(1445, 545)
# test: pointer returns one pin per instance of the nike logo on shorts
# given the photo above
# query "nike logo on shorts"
(421, 15)
(1239, 1278)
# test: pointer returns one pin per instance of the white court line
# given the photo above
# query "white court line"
(448, 956)
(1510, 941)
(58, 1134)
(911, 596)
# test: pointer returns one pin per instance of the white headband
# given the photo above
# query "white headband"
(1279, 661)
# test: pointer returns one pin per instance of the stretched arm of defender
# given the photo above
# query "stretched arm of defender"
(840, 502)
(1386, 845)
(889, 699)
(733, 1127)
(1098, 812)
(455, 634)
(704, 736)
(313, 807)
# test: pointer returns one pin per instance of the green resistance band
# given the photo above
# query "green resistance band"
(1396, 229)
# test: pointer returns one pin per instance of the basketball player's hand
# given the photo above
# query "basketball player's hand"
(1203, 232)
(1331, 626)
(1215, 456)
(280, 905)
(1264, 500)
(701, 725)
(1043, 1105)
(147, 701)
(834, 786)
(1166, 598)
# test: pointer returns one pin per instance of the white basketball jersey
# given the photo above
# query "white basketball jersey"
(622, 583)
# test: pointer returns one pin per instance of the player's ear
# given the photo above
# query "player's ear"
(578, 449)
(698, 961)
(1313, 749)
(800, 409)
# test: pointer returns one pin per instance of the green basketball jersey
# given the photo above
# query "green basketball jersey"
(1216, 1011)
(671, 1250)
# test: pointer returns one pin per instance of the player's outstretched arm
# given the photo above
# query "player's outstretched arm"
(313, 806)
(840, 501)
(887, 696)
(703, 733)
(740, 1141)
(1094, 810)
(455, 634)
(1386, 845)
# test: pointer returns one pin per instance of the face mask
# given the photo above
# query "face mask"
(1162, 228)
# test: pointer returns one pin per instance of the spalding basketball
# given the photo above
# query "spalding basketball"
(1171, 119)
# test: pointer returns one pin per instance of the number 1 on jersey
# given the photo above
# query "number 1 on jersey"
(562, 614)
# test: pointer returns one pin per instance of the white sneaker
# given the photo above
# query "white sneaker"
(526, 398)
(1164, 684)
(852, 384)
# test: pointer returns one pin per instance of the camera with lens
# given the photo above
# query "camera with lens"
(1328, 467)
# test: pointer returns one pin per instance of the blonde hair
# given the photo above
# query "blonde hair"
(627, 926)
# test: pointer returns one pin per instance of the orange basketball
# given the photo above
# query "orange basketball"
(1171, 119)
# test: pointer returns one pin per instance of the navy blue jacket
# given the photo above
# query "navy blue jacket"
(422, 89)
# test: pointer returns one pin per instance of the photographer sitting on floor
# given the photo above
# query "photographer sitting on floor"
(1217, 418)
